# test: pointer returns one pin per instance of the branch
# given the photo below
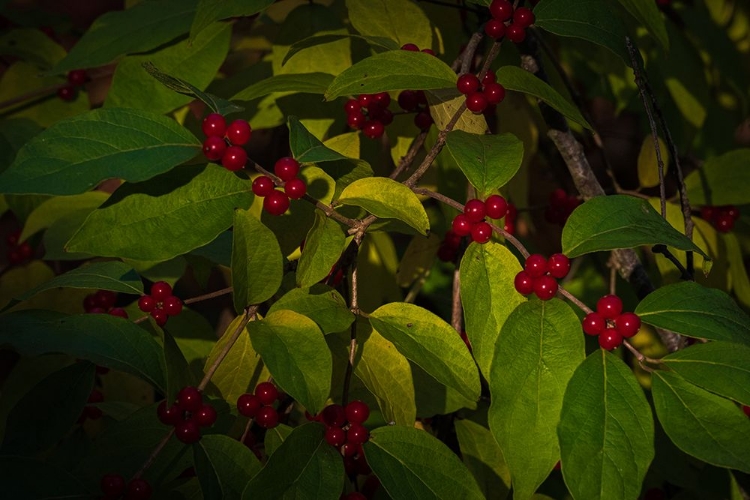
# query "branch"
(247, 315)
(217, 293)
(354, 308)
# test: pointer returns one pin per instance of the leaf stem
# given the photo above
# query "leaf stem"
(217, 293)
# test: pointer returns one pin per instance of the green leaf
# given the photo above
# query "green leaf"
(176, 368)
(429, 342)
(393, 70)
(701, 424)
(413, 465)
(100, 338)
(323, 247)
(520, 80)
(648, 163)
(296, 353)
(606, 430)
(257, 263)
(306, 148)
(20, 478)
(488, 161)
(76, 154)
(418, 259)
(224, 466)
(140, 28)
(276, 436)
(209, 11)
(388, 199)
(648, 14)
(55, 208)
(484, 458)
(488, 297)
(404, 22)
(376, 43)
(720, 367)
(591, 20)
(690, 309)
(619, 221)
(309, 83)
(304, 467)
(444, 103)
(539, 348)
(171, 215)
(31, 45)
(321, 303)
(722, 180)
(45, 413)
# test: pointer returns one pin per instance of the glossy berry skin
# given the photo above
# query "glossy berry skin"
(168, 415)
(295, 188)
(523, 17)
(267, 393)
(214, 125)
(481, 232)
(276, 203)
(410, 47)
(502, 10)
(161, 290)
(351, 106)
(732, 211)
(105, 298)
(545, 287)
(407, 100)
(384, 98)
(112, 485)
(189, 399)
(335, 436)
(248, 405)
(468, 83)
(536, 265)
(138, 489)
(234, 158)
(214, 148)
(594, 324)
(523, 283)
(239, 132)
(172, 305)
(357, 412)
(474, 210)
(515, 33)
(627, 324)
(495, 206)
(356, 120)
(119, 312)
(205, 416)
(709, 213)
(494, 29)
(357, 434)
(461, 225)
(77, 77)
(609, 306)
(559, 265)
(724, 222)
(746, 409)
(476, 102)
(146, 303)
(494, 92)
(267, 417)
(187, 431)
(610, 339)
(333, 415)
(66, 93)
(286, 168)
(263, 186)
(423, 120)
(159, 316)
(429, 51)
(373, 129)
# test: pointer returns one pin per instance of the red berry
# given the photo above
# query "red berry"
(559, 265)
(267, 417)
(512, 212)
(724, 222)
(545, 287)
(407, 100)
(536, 265)
(429, 51)
(502, 10)
(333, 415)
(187, 431)
(494, 92)
(239, 132)
(146, 303)
(161, 290)
(468, 83)
(356, 119)
(105, 298)
(77, 77)
(263, 186)
(384, 116)
(461, 225)
(365, 99)
(489, 77)
(138, 489)
(89, 302)
(350, 449)
(733, 211)
(214, 148)
(12, 238)
(495, 29)
(594, 324)
(214, 125)
(96, 310)
(276, 203)
(286, 168)
(558, 197)
(352, 106)
(446, 253)
(410, 47)
(523, 17)
(335, 436)
(423, 120)
(357, 434)
(267, 393)
(373, 129)
(421, 98)
(709, 213)
(746, 409)
(474, 210)
(168, 415)
(481, 232)
(234, 158)
(523, 283)
(516, 33)
(205, 416)
(357, 412)
(610, 339)
(495, 206)
(119, 312)
(172, 305)
(627, 324)
(383, 99)
(159, 316)
(295, 188)
(609, 306)
(189, 399)
(112, 485)
(66, 93)
(248, 405)
(476, 102)
(25, 250)
(509, 227)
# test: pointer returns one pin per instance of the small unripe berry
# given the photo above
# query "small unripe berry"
(276, 203)
(263, 186)
(286, 168)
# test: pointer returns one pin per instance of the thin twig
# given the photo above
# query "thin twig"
(354, 308)
(247, 315)
(640, 356)
(456, 309)
(407, 160)
(470, 52)
(416, 287)
(154, 454)
(684, 273)
(583, 307)
(217, 293)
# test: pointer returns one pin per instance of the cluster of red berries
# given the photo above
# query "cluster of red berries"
(721, 218)
(103, 302)
(18, 253)
(369, 113)
(480, 95)
(540, 275)
(561, 205)
(610, 323)
(188, 414)
(160, 303)
(113, 486)
(224, 142)
(415, 101)
(259, 405)
(518, 20)
(76, 78)
(472, 222)
(92, 412)
(345, 432)
(277, 202)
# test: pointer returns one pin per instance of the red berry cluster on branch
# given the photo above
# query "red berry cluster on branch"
(722, 218)
(113, 486)
(415, 101)
(277, 202)
(161, 304)
(610, 323)
(101, 302)
(18, 253)
(508, 22)
(472, 222)
(76, 78)
(224, 142)
(188, 414)
(539, 275)
(259, 405)
(345, 432)
(369, 113)
(561, 205)
(480, 95)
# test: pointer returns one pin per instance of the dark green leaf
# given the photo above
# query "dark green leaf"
(377, 43)
(722, 180)
(218, 251)
(176, 368)
(76, 154)
(20, 479)
(57, 207)
(304, 467)
(276, 436)
(175, 213)
(696, 311)
(224, 466)
(619, 221)
(320, 303)
(606, 430)
(31, 45)
(209, 11)
(413, 465)
(111, 275)
(403, 22)
(538, 349)
(323, 247)
(309, 83)
(431, 343)
(701, 424)
(306, 148)
(484, 458)
(648, 14)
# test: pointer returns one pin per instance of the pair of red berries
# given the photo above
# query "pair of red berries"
(277, 202)
(103, 302)
(472, 222)
(519, 19)
(344, 429)
(76, 78)
(411, 47)
(561, 205)
(224, 142)
(114, 486)
(540, 275)
(258, 405)
(610, 323)
(722, 218)
(160, 303)
(369, 113)
(18, 253)
(480, 95)
(188, 414)
(92, 412)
